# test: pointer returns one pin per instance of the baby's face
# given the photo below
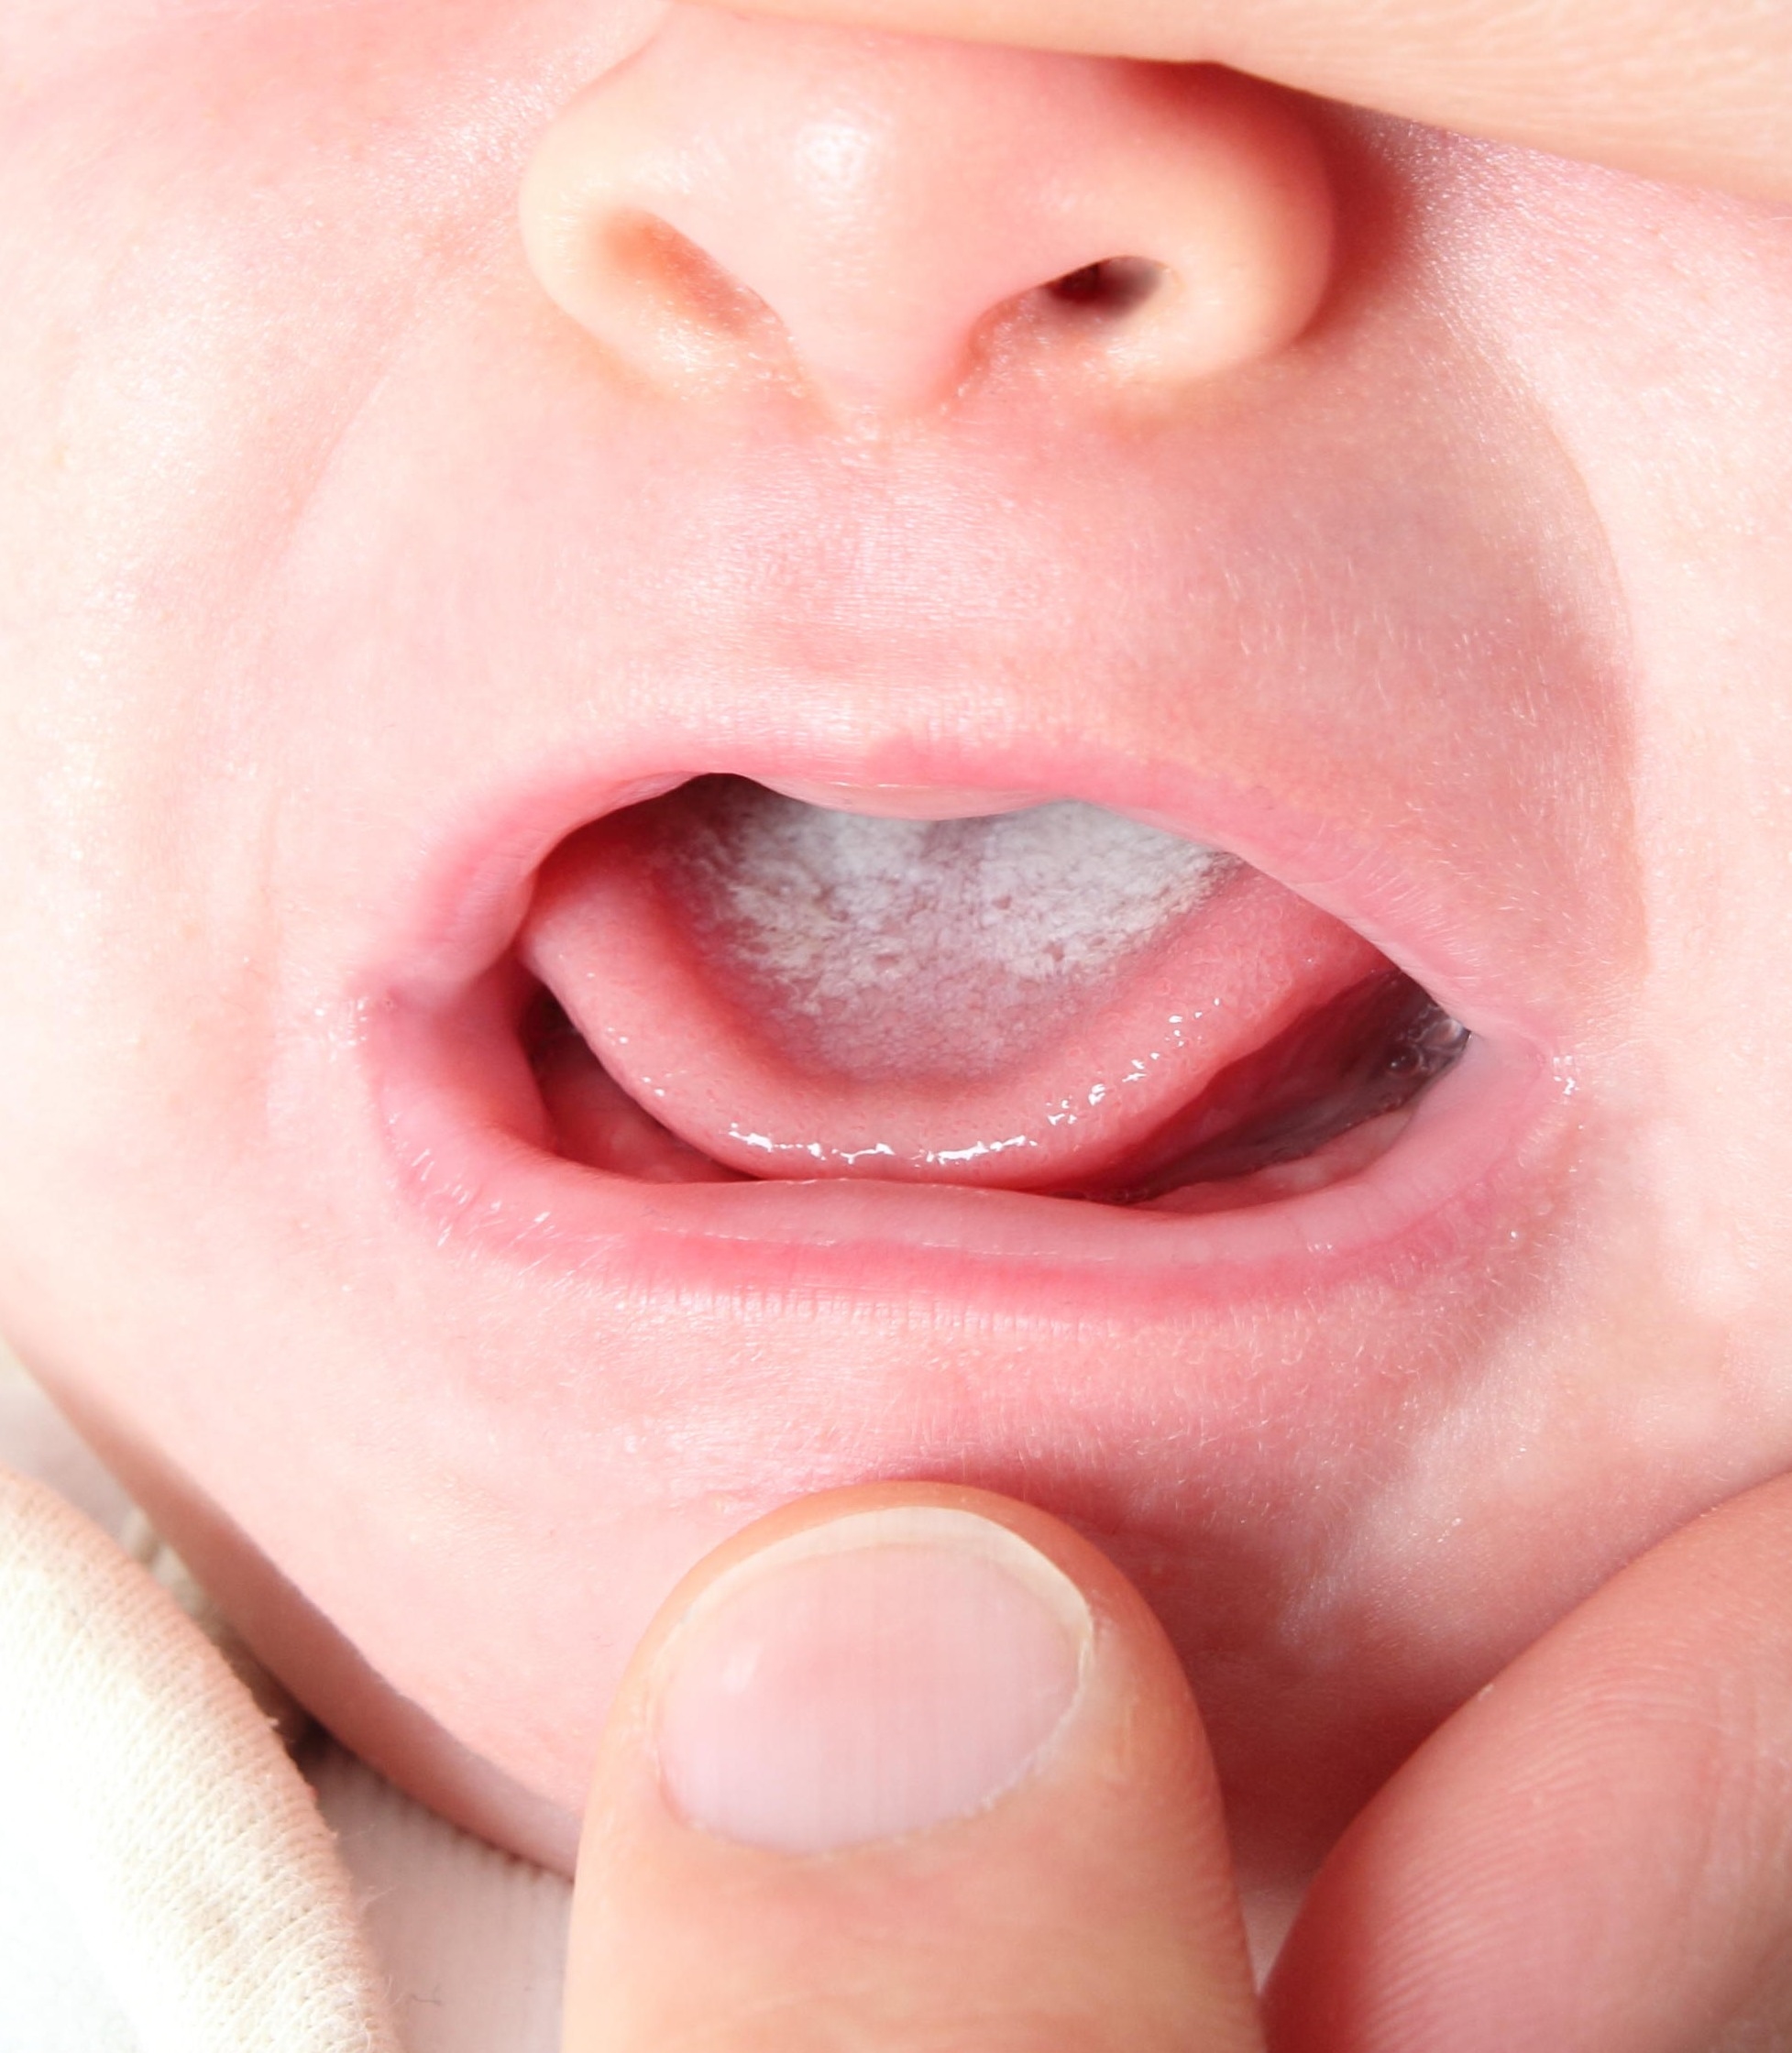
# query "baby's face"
(425, 441)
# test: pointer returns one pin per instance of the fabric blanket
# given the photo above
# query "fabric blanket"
(172, 1879)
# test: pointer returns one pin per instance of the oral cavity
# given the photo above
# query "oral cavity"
(1056, 1000)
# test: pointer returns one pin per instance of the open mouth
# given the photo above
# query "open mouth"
(825, 1016)
(1054, 999)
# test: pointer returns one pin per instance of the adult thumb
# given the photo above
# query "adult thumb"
(905, 1768)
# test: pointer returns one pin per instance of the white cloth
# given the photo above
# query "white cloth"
(473, 1941)
(168, 1882)
(144, 1787)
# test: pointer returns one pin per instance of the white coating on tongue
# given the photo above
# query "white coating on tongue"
(885, 948)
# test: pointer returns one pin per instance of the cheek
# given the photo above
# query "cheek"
(213, 239)
(1653, 327)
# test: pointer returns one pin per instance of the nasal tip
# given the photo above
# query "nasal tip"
(885, 220)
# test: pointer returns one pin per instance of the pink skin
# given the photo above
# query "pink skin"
(343, 574)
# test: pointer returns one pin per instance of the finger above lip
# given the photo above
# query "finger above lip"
(1692, 111)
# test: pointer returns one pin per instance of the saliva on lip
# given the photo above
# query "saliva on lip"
(1054, 998)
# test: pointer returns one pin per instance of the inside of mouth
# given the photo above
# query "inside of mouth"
(734, 984)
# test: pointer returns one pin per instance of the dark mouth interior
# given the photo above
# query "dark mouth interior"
(1316, 1100)
(1346, 1066)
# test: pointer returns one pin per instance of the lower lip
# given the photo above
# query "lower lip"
(458, 1111)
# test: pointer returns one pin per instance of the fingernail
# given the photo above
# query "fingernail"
(867, 1678)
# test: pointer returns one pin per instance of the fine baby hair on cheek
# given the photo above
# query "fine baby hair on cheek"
(442, 436)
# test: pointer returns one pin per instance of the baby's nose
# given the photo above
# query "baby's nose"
(886, 219)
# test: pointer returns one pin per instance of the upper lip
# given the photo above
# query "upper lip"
(466, 897)
(1441, 769)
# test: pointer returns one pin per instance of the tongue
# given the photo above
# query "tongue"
(1023, 1000)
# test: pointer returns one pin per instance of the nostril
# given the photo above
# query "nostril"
(1112, 289)
(863, 216)
(671, 308)
(688, 283)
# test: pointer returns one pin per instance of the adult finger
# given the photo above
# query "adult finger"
(1595, 1853)
(1701, 92)
(905, 1767)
